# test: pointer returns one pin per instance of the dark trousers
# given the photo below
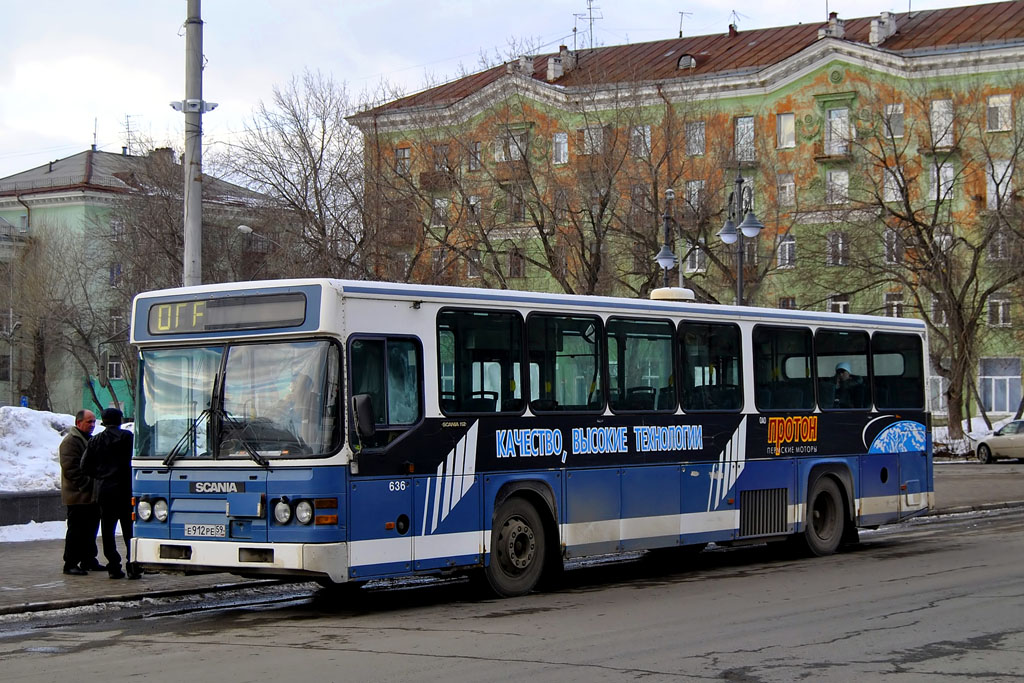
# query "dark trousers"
(115, 509)
(80, 540)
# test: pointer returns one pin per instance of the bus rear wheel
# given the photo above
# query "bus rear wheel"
(825, 521)
(518, 549)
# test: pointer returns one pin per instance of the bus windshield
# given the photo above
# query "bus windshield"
(275, 400)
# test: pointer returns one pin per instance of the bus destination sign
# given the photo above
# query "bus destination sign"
(217, 314)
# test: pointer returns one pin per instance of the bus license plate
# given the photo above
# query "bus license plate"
(209, 530)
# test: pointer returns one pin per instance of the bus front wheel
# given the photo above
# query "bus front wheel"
(825, 523)
(518, 549)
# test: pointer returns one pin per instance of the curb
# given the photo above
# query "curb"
(30, 607)
(982, 507)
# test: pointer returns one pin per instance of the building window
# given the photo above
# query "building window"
(894, 304)
(441, 158)
(941, 121)
(696, 257)
(999, 384)
(942, 181)
(787, 190)
(695, 138)
(892, 191)
(516, 264)
(511, 147)
(999, 310)
(785, 131)
(999, 246)
(940, 312)
(114, 368)
(999, 113)
(115, 275)
(118, 326)
(893, 246)
(894, 119)
(475, 150)
(473, 263)
(839, 303)
(561, 205)
(640, 141)
(837, 186)
(743, 138)
(439, 214)
(837, 249)
(116, 229)
(560, 148)
(516, 207)
(837, 132)
(473, 208)
(403, 160)
(5, 368)
(694, 195)
(787, 252)
(788, 303)
(998, 185)
(593, 140)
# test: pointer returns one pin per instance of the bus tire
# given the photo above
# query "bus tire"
(518, 549)
(825, 524)
(985, 455)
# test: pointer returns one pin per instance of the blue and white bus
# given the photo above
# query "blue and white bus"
(348, 431)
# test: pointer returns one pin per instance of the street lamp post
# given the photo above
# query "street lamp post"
(665, 258)
(750, 227)
(246, 230)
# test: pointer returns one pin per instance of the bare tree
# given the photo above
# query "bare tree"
(301, 153)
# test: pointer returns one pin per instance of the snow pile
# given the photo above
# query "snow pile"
(29, 440)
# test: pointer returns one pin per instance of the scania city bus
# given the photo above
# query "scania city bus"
(348, 431)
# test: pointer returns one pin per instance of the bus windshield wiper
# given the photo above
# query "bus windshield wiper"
(239, 434)
(189, 434)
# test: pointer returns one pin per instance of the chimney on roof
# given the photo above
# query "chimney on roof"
(834, 29)
(732, 31)
(523, 65)
(882, 28)
(568, 59)
(162, 155)
(124, 150)
(555, 69)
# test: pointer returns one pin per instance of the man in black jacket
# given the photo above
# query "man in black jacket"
(109, 460)
(76, 492)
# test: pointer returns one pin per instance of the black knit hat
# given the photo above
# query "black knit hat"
(112, 417)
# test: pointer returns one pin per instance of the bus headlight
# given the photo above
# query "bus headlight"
(160, 510)
(304, 512)
(282, 512)
(145, 510)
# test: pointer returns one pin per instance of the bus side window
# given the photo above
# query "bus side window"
(567, 353)
(712, 374)
(782, 368)
(389, 372)
(898, 362)
(480, 356)
(640, 373)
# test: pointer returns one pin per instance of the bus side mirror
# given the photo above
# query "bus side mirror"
(362, 410)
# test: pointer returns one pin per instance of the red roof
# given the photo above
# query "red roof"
(722, 53)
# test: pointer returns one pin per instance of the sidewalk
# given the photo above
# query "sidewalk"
(31, 579)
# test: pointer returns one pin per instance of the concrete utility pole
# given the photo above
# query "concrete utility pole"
(194, 107)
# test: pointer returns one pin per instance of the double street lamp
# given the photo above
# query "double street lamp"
(730, 233)
(665, 258)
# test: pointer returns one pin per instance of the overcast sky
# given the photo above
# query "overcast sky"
(72, 67)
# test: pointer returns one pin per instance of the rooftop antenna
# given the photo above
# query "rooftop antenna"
(576, 18)
(95, 123)
(590, 12)
(129, 134)
(736, 18)
(681, 15)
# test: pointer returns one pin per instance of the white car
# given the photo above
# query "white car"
(1005, 442)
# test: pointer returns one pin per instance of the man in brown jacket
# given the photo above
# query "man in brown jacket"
(76, 491)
